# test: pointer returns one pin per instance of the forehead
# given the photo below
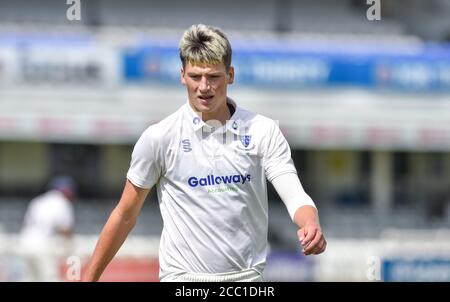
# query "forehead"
(204, 67)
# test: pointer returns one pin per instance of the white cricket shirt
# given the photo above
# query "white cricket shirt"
(46, 215)
(211, 188)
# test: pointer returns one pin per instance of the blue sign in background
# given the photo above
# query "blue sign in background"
(426, 69)
(428, 270)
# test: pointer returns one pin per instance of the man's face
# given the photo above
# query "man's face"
(207, 86)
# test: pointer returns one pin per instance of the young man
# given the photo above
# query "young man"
(209, 161)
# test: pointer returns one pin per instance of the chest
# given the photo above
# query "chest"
(224, 153)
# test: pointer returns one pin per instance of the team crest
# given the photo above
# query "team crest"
(245, 140)
(246, 143)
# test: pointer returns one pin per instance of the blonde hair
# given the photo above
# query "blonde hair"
(202, 44)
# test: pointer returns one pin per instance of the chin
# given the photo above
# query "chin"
(204, 108)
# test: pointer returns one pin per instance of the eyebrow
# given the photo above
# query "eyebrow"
(192, 73)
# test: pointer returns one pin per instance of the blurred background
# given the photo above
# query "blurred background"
(365, 106)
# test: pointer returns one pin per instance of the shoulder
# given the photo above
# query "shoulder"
(52, 200)
(259, 122)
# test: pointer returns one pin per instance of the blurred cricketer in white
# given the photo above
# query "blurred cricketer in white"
(209, 161)
(47, 229)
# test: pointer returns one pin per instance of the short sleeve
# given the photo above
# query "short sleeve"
(145, 167)
(277, 154)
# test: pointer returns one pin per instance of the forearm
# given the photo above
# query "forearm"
(111, 239)
(303, 212)
(291, 192)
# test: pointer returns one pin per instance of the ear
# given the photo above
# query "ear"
(231, 75)
(183, 80)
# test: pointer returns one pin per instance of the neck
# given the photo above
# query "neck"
(222, 114)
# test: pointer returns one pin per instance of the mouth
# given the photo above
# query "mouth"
(205, 98)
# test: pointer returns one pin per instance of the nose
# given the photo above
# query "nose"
(204, 84)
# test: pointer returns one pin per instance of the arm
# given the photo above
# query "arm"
(302, 211)
(121, 221)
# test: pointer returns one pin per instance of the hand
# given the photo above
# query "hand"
(312, 240)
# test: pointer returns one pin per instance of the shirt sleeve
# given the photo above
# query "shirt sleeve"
(145, 167)
(277, 156)
(291, 192)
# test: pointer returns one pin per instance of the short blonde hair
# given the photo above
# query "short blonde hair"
(202, 44)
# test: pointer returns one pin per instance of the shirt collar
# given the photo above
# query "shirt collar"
(193, 118)
(233, 125)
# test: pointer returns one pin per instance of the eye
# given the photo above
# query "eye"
(195, 77)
